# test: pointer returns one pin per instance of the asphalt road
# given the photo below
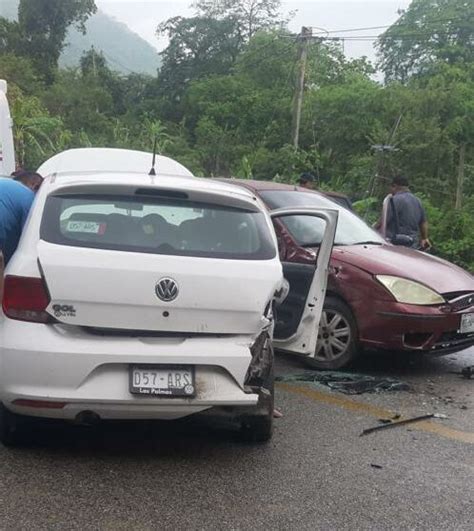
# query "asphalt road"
(317, 473)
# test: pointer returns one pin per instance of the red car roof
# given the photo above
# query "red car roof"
(260, 186)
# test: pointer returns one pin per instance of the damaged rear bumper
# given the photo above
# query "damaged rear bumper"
(75, 371)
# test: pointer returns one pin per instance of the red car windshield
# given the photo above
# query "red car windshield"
(308, 231)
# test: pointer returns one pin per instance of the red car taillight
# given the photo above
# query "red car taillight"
(25, 299)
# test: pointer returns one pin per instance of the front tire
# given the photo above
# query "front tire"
(337, 337)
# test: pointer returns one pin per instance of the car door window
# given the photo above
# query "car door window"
(308, 231)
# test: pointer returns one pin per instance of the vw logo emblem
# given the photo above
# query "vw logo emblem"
(166, 289)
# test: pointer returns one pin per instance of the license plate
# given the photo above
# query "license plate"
(467, 323)
(162, 380)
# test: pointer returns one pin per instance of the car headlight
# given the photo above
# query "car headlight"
(410, 292)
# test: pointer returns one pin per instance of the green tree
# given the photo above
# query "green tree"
(95, 70)
(197, 47)
(82, 104)
(19, 71)
(251, 16)
(35, 131)
(40, 31)
(428, 32)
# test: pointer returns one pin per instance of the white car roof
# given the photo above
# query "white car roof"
(70, 180)
(110, 159)
(128, 168)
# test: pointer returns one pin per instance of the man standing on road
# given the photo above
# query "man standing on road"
(16, 198)
(406, 216)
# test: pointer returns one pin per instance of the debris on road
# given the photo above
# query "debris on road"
(277, 414)
(391, 424)
(347, 382)
(389, 421)
(373, 465)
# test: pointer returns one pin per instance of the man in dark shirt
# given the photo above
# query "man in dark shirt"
(409, 213)
(16, 198)
(307, 180)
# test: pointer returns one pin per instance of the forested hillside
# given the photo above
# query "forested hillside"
(126, 51)
(222, 104)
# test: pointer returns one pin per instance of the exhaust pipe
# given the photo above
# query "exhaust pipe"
(87, 418)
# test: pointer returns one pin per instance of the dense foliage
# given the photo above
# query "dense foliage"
(222, 102)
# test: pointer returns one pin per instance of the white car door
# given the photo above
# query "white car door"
(303, 341)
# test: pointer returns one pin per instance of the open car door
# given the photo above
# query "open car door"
(305, 305)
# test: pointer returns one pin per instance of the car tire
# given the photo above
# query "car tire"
(259, 428)
(11, 428)
(337, 345)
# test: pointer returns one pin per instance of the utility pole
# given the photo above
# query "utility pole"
(303, 38)
(462, 155)
(94, 66)
(381, 150)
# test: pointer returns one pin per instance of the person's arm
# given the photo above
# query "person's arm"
(424, 240)
(381, 224)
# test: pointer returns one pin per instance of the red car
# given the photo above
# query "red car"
(379, 296)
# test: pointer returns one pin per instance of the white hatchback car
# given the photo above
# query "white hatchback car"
(145, 297)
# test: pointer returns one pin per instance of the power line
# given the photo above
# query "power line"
(376, 37)
(435, 21)
(116, 62)
(372, 38)
(402, 35)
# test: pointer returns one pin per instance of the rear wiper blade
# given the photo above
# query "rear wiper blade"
(368, 242)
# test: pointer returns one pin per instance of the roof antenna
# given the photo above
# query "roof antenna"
(152, 171)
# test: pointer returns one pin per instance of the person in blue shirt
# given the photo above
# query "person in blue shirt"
(16, 198)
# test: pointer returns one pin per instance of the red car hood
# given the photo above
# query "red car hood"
(436, 273)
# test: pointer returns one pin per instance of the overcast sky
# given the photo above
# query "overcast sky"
(143, 16)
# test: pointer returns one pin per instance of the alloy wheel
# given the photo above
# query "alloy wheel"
(334, 336)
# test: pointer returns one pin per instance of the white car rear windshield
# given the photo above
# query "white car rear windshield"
(157, 225)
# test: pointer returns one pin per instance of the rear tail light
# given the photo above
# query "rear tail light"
(25, 299)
